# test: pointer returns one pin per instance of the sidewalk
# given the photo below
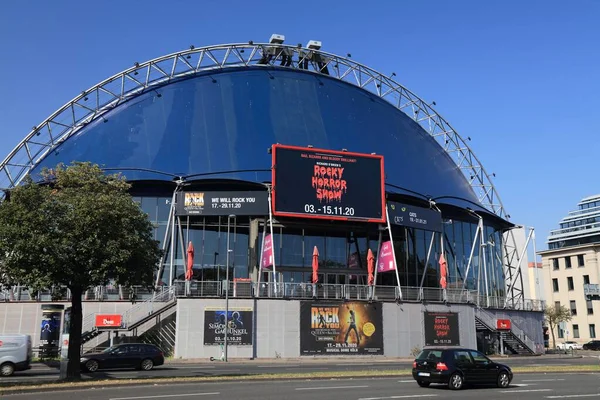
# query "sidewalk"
(345, 359)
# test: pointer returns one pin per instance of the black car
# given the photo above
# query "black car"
(592, 345)
(131, 355)
(457, 367)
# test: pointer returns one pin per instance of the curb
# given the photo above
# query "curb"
(132, 382)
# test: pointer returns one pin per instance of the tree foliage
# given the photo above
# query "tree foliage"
(554, 316)
(78, 228)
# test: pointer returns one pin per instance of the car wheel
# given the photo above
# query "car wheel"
(91, 365)
(456, 381)
(423, 384)
(503, 380)
(147, 364)
(7, 369)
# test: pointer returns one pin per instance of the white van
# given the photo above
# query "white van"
(15, 353)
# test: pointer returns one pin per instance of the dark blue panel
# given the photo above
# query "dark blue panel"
(199, 126)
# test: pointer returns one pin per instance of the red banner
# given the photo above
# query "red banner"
(503, 324)
(108, 320)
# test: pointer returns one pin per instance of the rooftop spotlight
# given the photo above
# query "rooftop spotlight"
(310, 146)
(250, 42)
(314, 45)
(192, 47)
(344, 150)
(393, 74)
(433, 103)
(277, 39)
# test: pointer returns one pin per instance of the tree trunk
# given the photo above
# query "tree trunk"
(553, 338)
(73, 370)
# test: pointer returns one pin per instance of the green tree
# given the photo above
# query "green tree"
(554, 316)
(79, 228)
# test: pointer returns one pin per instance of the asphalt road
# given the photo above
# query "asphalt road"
(523, 387)
(42, 373)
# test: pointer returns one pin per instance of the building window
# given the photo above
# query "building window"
(567, 262)
(580, 261)
(561, 333)
(590, 307)
(570, 283)
(576, 331)
(573, 307)
(555, 284)
(557, 305)
(555, 263)
(592, 331)
(586, 279)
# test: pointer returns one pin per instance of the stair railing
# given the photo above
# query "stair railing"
(141, 310)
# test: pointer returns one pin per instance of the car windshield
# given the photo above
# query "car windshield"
(430, 355)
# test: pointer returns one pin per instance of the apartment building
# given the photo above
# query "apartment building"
(572, 260)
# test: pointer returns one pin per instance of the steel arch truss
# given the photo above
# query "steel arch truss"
(94, 102)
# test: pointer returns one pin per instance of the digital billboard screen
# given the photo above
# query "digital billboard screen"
(326, 184)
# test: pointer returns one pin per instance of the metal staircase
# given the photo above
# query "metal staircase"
(144, 314)
(515, 340)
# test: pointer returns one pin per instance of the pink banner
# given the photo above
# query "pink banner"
(386, 258)
(267, 254)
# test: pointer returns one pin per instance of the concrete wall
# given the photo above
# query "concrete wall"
(26, 318)
(403, 327)
(277, 328)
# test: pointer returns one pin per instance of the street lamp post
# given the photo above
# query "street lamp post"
(227, 286)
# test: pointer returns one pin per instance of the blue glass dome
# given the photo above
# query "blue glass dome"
(221, 125)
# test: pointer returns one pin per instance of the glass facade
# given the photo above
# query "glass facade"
(225, 122)
(342, 251)
(219, 126)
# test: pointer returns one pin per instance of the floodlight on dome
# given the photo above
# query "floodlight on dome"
(314, 45)
(277, 39)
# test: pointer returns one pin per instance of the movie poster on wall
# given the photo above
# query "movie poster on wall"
(341, 328)
(239, 322)
(441, 329)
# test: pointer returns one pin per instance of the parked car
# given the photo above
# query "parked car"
(457, 367)
(569, 345)
(130, 355)
(592, 345)
(15, 353)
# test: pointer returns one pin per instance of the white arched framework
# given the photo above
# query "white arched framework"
(142, 77)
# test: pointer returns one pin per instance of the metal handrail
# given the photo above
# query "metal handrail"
(490, 321)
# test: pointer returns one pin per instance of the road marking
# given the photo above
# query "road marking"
(353, 364)
(332, 387)
(572, 395)
(411, 396)
(165, 395)
(526, 390)
(198, 367)
(523, 384)
(411, 381)
(541, 380)
(285, 365)
(221, 370)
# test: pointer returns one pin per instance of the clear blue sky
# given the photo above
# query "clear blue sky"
(521, 78)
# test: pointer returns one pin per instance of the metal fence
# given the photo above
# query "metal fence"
(272, 290)
(291, 290)
(98, 293)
